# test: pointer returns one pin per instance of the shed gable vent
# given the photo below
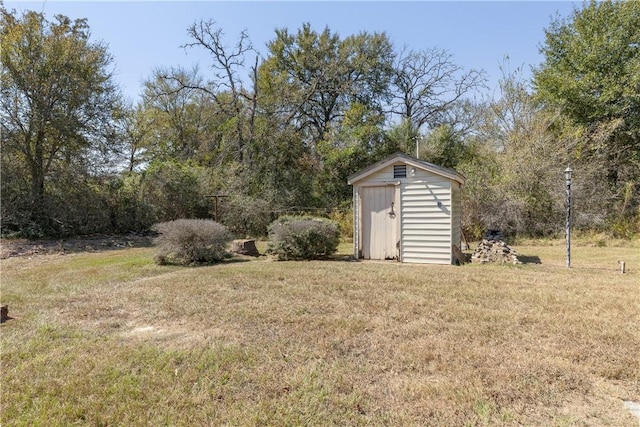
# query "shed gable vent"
(400, 171)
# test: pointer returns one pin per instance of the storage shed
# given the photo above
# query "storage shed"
(406, 209)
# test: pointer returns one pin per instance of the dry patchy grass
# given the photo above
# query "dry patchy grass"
(112, 339)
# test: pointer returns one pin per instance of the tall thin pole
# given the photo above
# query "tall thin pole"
(567, 176)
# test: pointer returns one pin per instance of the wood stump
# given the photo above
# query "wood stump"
(4, 313)
(245, 247)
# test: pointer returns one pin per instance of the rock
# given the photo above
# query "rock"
(493, 249)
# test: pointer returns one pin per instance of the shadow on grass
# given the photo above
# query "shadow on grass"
(234, 260)
(328, 258)
(529, 259)
(341, 257)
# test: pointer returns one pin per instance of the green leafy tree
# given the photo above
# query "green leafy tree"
(57, 99)
(591, 72)
(136, 124)
(183, 119)
(310, 78)
(513, 164)
(176, 190)
(443, 146)
(359, 142)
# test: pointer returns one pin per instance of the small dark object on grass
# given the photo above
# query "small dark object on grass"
(4, 313)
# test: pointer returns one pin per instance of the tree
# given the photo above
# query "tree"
(443, 146)
(514, 166)
(135, 126)
(227, 89)
(427, 84)
(359, 142)
(310, 78)
(183, 118)
(57, 98)
(591, 72)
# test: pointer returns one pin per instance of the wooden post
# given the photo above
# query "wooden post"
(216, 203)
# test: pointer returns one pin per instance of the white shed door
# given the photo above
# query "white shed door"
(379, 222)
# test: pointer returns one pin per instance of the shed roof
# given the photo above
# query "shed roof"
(409, 160)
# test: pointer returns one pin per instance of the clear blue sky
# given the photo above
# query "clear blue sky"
(145, 35)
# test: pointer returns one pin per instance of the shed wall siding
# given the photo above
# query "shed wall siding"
(426, 227)
(356, 223)
(382, 177)
(456, 234)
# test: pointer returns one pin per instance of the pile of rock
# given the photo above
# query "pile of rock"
(494, 249)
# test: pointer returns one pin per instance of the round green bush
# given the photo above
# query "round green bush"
(191, 241)
(303, 237)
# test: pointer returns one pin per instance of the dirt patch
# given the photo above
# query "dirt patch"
(24, 247)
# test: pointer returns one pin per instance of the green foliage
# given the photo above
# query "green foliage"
(74, 206)
(359, 142)
(186, 124)
(247, 216)
(303, 237)
(591, 74)
(129, 209)
(176, 190)
(311, 78)
(15, 216)
(191, 241)
(343, 217)
(403, 137)
(283, 170)
(592, 63)
(443, 147)
(58, 100)
(514, 168)
(318, 108)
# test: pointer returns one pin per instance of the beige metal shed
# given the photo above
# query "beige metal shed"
(406, 209)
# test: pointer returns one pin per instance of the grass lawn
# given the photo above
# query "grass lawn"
(109, 338)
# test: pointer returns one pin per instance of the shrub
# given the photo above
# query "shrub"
(191, 241)
(303, 237)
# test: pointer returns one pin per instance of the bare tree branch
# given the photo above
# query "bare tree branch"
(427, 84)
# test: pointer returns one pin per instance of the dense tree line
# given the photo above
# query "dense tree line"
(254, 137)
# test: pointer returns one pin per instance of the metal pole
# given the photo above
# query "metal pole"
(567, 175)
(568, 231)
